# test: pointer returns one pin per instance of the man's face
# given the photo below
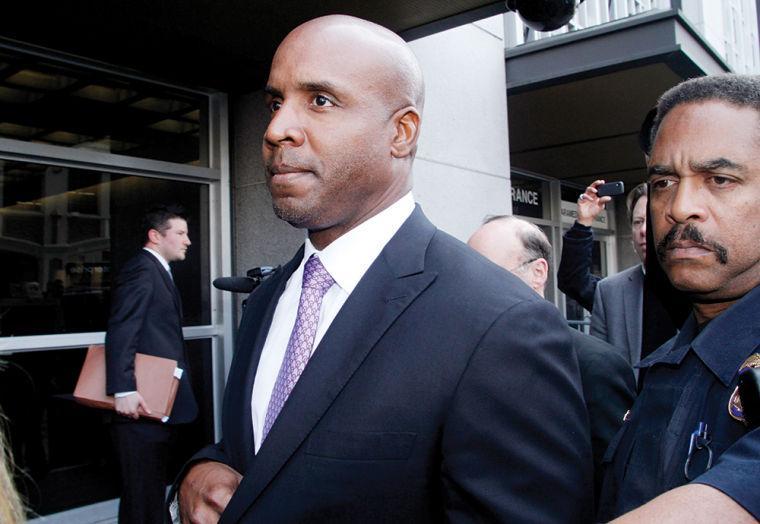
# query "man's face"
(173, 243)
(639, 228)
(327, 147)
(704, 193)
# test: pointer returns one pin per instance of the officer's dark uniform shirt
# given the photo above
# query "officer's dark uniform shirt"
(690, 379)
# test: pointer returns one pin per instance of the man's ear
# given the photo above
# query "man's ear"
(540, 272)
(153, 236)
(407, 127)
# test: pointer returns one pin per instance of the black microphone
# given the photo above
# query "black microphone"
(244, 284)
(235, 284)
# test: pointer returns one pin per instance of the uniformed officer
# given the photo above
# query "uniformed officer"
(685, 453)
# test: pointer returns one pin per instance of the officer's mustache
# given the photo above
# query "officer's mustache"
(690, 233)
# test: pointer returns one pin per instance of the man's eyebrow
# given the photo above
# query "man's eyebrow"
(327, 87)
(273, 91)
(319, 86)
(657, 170)
(716, 164)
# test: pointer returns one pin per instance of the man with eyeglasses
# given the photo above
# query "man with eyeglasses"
(608, 381)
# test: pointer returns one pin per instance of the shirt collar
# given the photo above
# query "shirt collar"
(349, 256)
(722, 345)
(160, 258)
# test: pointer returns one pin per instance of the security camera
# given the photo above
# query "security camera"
(544, 15)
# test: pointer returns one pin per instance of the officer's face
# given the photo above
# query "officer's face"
(705, 190)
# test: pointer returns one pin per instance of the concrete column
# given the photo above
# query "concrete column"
(461, 174)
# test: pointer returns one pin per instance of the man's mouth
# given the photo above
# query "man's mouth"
(284, 174)
(689, 244)
(687, 249)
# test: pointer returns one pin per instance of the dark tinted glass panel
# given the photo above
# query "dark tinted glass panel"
(65, 233)
(569, 193)
(64, 106)
(63, 451)
(530, 197)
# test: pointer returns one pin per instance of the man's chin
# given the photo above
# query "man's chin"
(291, 214)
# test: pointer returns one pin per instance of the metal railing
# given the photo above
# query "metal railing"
(729, 26)
(590, 13)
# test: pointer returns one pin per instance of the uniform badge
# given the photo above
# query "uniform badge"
(735, 402)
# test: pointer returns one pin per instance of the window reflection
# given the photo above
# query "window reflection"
(63, 106)
(65, 232)
(62, 450)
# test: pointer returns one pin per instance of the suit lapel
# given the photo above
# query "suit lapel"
(393, 281)
(254, 327)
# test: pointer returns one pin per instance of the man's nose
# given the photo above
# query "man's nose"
(285, 127)
(688, 201)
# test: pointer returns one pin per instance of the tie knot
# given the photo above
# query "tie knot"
(315, 276)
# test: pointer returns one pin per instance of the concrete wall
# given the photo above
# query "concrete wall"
(461, 174)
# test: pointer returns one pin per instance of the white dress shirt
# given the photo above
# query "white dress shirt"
(346, 259)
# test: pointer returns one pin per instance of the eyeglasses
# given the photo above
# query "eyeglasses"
(521, 266)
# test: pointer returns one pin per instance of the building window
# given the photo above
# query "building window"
(63, 452)
(62, 105)
(64, 234)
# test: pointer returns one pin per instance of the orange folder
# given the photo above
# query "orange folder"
(157, 381)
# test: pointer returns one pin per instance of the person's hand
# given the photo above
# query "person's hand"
(590, 205)
(205, 491)
(131, 405)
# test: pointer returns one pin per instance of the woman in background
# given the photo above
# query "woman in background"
(11, 509)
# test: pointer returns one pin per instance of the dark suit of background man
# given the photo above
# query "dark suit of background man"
(685, 453)
(438, 386)
(146, 317)
(608, 381)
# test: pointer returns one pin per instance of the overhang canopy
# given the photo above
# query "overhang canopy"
(223, 44)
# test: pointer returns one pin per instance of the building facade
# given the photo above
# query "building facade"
(92, 132)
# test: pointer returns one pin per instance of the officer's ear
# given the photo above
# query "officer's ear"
(407, 131)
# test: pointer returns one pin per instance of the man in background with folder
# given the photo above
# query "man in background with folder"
(146, 317)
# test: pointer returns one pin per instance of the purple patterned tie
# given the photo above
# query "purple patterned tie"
(316, 282)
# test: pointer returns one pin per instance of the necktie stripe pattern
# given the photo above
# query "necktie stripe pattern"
(316, 282)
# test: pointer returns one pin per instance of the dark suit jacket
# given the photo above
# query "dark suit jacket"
(609, 388)
(146, 317)
(443, 388)
(574, 277)
(617, 316)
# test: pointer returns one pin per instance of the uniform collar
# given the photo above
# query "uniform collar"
(722, 345)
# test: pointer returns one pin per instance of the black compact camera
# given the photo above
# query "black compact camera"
(610, 189)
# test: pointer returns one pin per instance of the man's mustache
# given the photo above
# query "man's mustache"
(690, 233)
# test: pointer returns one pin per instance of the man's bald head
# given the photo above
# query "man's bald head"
(516, 245)
(345, 98)
(389, 63)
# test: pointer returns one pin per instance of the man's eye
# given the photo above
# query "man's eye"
(274, 105)
(721, 180)
(662, 183)
(322, 101)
